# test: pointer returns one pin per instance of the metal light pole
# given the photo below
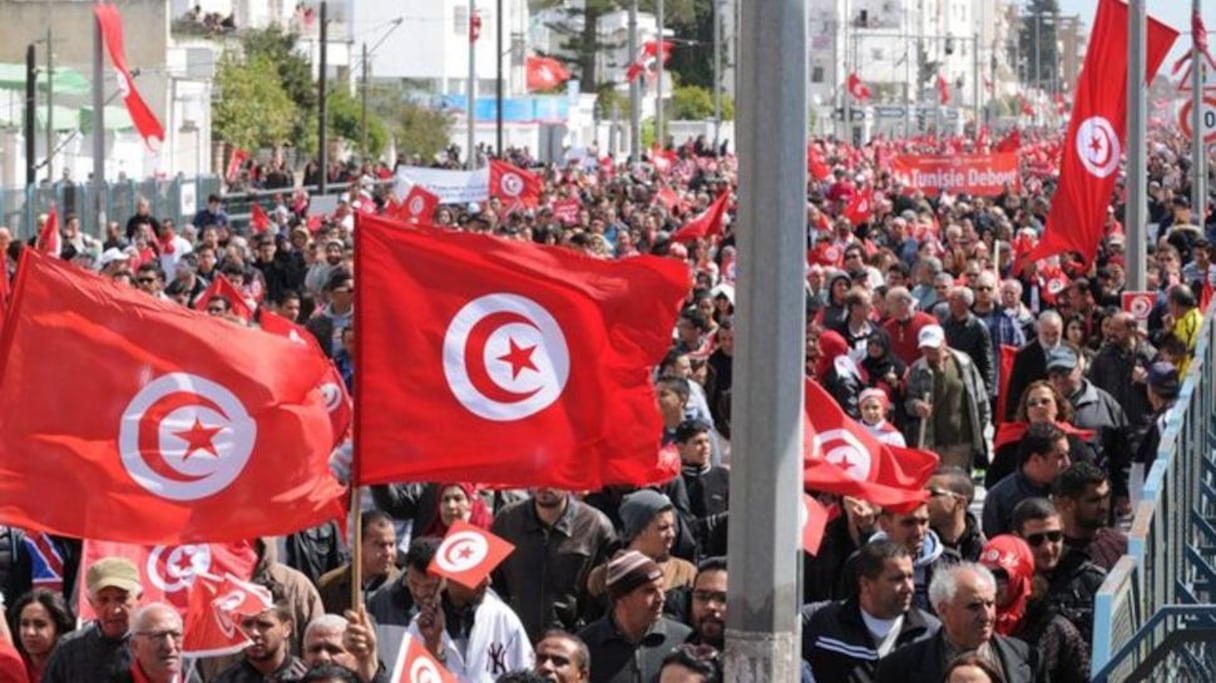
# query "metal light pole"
(976, 84)
(50, 112)
(1199, 190)
(498, 92)
(323, 106)
(762, 627)
(717, 7)
(363, 97)
(659, 138)
(846, 102)
(1137, 170)
(31, 105)
(635, 93)
(472, 89)
(99, 128)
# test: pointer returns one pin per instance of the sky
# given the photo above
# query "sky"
(1176, 13)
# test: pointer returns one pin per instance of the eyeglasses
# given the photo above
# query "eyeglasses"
(1036, 402)
(1036, 540)
(175, 636)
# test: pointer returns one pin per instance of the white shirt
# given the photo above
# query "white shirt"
(497, 644)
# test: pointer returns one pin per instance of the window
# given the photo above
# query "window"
(817, 74)
(460, 20)
(878, 54)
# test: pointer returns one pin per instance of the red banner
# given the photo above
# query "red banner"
(982, 174)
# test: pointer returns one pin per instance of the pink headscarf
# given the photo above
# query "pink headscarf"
(480, 515)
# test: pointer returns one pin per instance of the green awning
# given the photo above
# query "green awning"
(65, 118)
(117, 118)
(67, 81)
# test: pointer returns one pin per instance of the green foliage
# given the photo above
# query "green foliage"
(346, 121)
(422, 130)
(1037, 41)
(251, 110)
(294, 73)
(694, 103)
(607, 97)
(647, 133)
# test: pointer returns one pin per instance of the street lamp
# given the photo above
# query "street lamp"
(366, 71)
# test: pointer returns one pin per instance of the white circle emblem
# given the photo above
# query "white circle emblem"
(332, 394)
(511, 184)
(841, 448)
(184, 437)
(1098, 146)
(505, 357)
(423, 670)
(417, 204)
(174, 568)
(1141, 306)
(461, 551)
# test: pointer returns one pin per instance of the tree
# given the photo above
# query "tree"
(418, 129)
(294, 73)
(251, 109)
(694, 103)
(346, 121)
(1037, 43)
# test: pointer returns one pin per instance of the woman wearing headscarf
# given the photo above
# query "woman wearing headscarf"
(883, 369)
(1024, 611)
(459, 501)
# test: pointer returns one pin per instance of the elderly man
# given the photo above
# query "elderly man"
(1003, 328)
(156, 646)
(350, 644)
(98, 651)
(562, 657)
(948, 402)
(1097, 411)
(1030, 362)
(904, 324)
(965, 598)
(845, 640)
(966, 332)
(628, 644)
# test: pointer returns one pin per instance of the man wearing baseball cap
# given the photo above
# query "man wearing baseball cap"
(97, 652)
(629, 643)
(947, 401)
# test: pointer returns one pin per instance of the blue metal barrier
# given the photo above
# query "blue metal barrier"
(1154, 617)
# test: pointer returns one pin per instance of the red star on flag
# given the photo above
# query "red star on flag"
(199, 438)
(520, 358)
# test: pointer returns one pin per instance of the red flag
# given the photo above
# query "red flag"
(111, 32)
(220, 286)
(545, 73)
(239, 157)
(1090, 164)
(1024, 104)
(647, 58)
(943, 90)
(861, 206)
(216, 607)
(842, 457)
(50, 242)
(566, 210)
(416, 665)
(474, 27)
(169, 572)
(1010, 143)
(1006, 369)
(337, 400)
(514, 184)
(1199, 34)
(258, 220)
(12, 667)
(707, 224)
(857, 89)
(196, 429)
(538, 357)
(814, 519)
(468, 554)
(815, 165)
(419, 206)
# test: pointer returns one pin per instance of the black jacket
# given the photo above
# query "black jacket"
(708, 500)
(1099, 411)
(616, 659)
(545, 578)
(839, 648)
(1071, 590)
(971, 543)
(314, 551)
(1002, 498)
(417, 502)
(1029, 365)
(821, 572)
(1112, 372)
(925, 661)
(971, 336)
(1064, 652)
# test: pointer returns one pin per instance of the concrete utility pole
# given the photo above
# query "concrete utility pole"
(635, 93)
(717, 7)
(659, 137)
(363, 97)
(31, 106)
(762, 634)
(471, 152)
(323, 106)
(498, 93)
(50, 111)
(1135, 220)
(1199, 189)
(99, 128)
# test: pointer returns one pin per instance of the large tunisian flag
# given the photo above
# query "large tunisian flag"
(1090, 163)
(145, 121)
(485, 360)
(145, 422)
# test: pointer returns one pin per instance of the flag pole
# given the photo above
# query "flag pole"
(99, 129)
(1199, 191)
(1137, 170)
(356, 533)
(762, 635)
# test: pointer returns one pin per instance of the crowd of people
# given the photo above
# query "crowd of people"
(909, 315)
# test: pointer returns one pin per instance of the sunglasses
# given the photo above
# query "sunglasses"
(1036, 540)
(1036, 402)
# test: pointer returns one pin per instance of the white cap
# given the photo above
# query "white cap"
(111, 255)
(932, 336)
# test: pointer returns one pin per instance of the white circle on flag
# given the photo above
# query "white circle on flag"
(461, 551)
(511, 184)
(332, 394)
(183, 437)
(417, 204)
(1141, 307)
(1098, 146)
(423, 670)
(841, 448)
(505, 357)
(173, 568)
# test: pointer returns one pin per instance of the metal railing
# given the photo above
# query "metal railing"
(1153, 616)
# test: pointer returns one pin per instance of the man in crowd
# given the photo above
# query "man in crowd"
(268, 656)
(951, 494)
(708, 486)
(910, 528)
(156, 645)
(350, 644)
(948, 401)
(98, 651)
(1003, 328)
(649, 527)
(845, 640)
(1120, 368)
(1030, 362)
(562, 657)
(707, 615)
(965, 332)
(378, 552)
(1093, 410)
(1082, 494)
(1043, 455)
(904, 324)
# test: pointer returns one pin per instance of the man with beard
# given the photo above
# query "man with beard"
(562, 657)
(844, 641)
(1083, 496)
(707, 616)
(268, 656)
(319, 273)
(951, 493)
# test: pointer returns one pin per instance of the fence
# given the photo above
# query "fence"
(1153, 616)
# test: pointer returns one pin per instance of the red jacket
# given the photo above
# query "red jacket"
(903, 335)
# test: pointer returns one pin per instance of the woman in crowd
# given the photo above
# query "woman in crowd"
(39, 619)
(1040, 403)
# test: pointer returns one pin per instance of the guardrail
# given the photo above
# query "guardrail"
(1153, 616)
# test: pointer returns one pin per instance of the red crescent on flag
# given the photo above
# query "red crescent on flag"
(149, 427)
(474, 357)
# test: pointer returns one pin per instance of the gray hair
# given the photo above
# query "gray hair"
(900, 294)
(987, 278)
(943, 278)
(965, 293)
(934, 263)
(945, 582)
(145, 612)
(1015, 284)
(1051, 315)
(326, 622)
